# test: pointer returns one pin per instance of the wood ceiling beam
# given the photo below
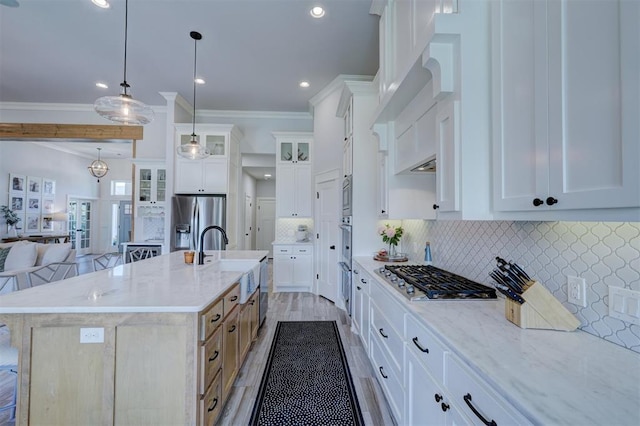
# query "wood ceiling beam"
(96, 132)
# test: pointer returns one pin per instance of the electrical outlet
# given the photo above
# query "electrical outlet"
(92, 335)
(577, 291)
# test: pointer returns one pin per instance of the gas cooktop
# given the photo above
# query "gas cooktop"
(426, 282)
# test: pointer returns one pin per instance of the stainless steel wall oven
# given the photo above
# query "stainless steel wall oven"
(345, 264)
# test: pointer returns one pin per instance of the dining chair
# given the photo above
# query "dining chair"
(141, 253)
(106, 261)
(52, 272)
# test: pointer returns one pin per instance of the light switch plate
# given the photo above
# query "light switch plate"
(624, 304)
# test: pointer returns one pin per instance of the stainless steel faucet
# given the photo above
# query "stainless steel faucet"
(225, 241)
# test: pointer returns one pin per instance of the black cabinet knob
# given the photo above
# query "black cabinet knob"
(438, 397)
(436, 207)
(332, 247)
(551, 201)
(383, 211)
(537, 202)
(444, 406)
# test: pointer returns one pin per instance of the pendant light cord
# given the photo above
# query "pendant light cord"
(126, 21)
(195, 59)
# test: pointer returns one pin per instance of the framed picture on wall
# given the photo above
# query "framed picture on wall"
(34, 185)
(17, 184)
(33, 223)
(47, 205)
(21, 224)
(33, 204)
(48, 187)
(47, 223)
(17, 203)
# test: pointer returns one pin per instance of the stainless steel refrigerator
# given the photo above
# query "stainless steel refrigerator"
(190, 215)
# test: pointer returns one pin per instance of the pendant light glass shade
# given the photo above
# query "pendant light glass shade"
(98, 168)
(193, 150)
(123, 108)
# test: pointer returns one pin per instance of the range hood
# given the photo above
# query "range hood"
(427, 167)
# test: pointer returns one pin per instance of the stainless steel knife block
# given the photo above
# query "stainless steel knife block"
(540, 310)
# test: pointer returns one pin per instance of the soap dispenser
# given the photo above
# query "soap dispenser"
(427, 254)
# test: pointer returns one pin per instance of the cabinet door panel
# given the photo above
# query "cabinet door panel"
(303, 270)
(593, 132)
(448, 173)
(303, 191)
(214, 176)
(188, 176)
(285, 205)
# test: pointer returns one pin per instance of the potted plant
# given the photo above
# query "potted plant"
(11, 218)
(391, 236)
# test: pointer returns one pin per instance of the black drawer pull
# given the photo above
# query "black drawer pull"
(358, 287)
(217, 317)
(382, 372)
(213, 407)
(438, 397)
(382, 334)
(232, 329)
(444, 406)
(215, 355)
(234, 298)
(415, 342)
(467, 399)
(363, 281)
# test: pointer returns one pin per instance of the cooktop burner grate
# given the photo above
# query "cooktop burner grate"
(440, 284)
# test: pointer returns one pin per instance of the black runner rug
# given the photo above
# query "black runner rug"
(306, 380)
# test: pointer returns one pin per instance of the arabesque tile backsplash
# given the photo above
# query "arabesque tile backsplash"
(603, 253)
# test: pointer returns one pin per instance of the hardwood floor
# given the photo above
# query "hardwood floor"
(291, 307)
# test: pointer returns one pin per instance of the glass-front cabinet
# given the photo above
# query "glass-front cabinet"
(151, 185)
(294, 151)
(215, 143)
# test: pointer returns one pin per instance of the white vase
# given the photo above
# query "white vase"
(12, 232)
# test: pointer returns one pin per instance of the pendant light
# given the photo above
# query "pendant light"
(193, 150)
(98, 168)
(124, 109)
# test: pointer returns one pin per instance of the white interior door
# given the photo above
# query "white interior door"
(328, 244)
(266, 229)
(81, 217)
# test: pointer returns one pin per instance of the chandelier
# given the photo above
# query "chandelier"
(193, 150)
(98, 168)
(123, 108)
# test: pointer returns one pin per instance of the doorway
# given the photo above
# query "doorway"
(80, 225)
(328, 190)
(248, 222)
(124, 222)
(266, 228)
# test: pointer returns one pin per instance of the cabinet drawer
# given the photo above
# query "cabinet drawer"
(210, 359)
(282, 250)
(231, 299)
(391, 382)
(211, 403)
(393, 310)
(302, 250)
(388, 338)
(211, 319)
(426, 347)
(469, 392)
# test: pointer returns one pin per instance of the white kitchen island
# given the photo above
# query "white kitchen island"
(151, 342)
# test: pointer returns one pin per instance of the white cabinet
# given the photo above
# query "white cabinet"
(382, 188)
(565, 122)
(292, 267)
(294, 174)
(212, 174)
(447, 136)
(150, 184)
(360, 316)
(293, 191)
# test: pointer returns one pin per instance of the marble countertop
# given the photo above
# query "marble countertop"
(159, 284)
(551, 377)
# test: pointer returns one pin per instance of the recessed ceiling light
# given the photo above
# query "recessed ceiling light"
(304, 84)
(267, 175)
(317, 12)
(102, 85)
(199, 80)
(101, 3)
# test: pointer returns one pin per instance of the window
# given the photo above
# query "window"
(120, 188)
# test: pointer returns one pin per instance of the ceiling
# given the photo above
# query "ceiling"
(252, 55)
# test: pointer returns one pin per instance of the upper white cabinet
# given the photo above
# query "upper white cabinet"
(151, 183)
(211, 175)
(566, 106)
(293, 169)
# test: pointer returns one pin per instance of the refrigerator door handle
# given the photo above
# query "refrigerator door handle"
(194, 224)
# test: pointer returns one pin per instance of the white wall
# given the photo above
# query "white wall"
(266, 188)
